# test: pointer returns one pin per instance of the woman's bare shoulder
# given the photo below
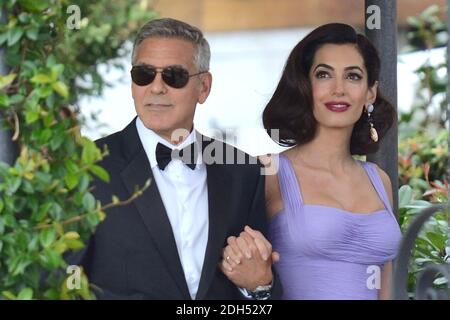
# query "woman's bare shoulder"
(274, 203)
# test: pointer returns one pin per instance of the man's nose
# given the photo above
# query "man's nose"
(158, 86)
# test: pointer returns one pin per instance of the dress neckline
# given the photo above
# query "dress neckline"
(335, 209)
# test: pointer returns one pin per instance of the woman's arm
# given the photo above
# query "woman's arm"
(386, 274)
(386, 280)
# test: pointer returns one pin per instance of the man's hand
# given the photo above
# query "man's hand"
(247, 259)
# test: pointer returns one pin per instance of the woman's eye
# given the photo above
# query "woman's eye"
(322, 74)
(354, 76)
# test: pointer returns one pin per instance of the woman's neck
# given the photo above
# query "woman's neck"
(329, 150)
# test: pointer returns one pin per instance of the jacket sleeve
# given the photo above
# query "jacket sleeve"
(257, 220)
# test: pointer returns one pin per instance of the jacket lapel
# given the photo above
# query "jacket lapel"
(219, 183)
(151, 207)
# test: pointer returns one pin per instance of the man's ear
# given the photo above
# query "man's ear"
(132, 91)
(205, 87)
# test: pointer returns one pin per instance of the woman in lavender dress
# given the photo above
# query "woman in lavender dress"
(330, 216)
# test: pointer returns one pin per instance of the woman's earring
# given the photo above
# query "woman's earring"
(373, 131)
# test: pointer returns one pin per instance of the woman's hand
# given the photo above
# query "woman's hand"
(247, 259)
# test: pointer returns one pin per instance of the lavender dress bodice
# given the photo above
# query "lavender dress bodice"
(330, 253)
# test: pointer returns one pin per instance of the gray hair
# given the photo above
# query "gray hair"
(171, 28)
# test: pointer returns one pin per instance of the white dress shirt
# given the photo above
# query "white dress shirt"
(185, 197)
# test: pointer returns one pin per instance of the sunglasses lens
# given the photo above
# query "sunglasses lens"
(175, 77)
(142, 76)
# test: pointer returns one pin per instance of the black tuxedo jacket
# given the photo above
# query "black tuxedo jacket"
(133, 252)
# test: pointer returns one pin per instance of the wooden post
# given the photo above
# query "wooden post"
(8, 151)
(385, 40)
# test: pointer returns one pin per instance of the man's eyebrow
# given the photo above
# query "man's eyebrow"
(143, 64)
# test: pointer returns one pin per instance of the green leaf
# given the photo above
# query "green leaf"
(83, 183)
(14, 184)
(41, 79)
(71, 180)
(2, 225)
(34, 5)
(71, 166)
(32, 33)
(56, 71)
(437, 240)
(90, 152)
(42, 212)
(33, 244)
(44, 91)
(9, 295)
(25, 294)
(24, 17)
(19, 265)
(47, 236)
(56, 212)
(74, 244)
(49, 120)
(51, 294)
(9, 220)
(61, 89)
(31, 116)
(3, 37)
(4, 100)
(51, 60)
(405, 195)
(14, 35)
(430, 11)
(51, 259)
(17, 98)
(100, 172)
(45, 135)
(7, 80)
(115, 199)
(92, 219)
(56, 141)
(26, 185)
(88, 201)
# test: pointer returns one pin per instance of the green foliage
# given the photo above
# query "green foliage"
(422, 160)
(423, 154)
(46, 205)
(428, 31)
(433, 242)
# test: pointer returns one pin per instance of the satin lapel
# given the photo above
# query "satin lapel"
(153, 213)
(219, 199)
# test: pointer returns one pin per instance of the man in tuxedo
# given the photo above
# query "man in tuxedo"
(168, 242)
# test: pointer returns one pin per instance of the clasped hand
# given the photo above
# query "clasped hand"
(247, 260)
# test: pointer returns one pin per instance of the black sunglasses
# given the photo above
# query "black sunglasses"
(174, 76)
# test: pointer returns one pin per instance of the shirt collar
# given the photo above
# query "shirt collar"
(150, 139)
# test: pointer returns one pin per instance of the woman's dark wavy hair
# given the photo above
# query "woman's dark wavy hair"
(291, 107)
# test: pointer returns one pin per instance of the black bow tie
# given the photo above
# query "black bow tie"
(164, 155)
